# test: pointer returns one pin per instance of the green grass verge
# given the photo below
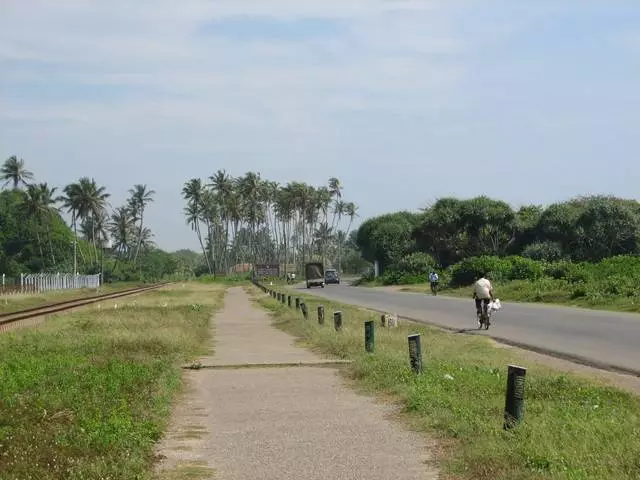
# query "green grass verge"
(88, 394)
(574, 429)
(13, 303)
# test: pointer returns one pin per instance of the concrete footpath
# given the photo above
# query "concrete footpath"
(269, 421)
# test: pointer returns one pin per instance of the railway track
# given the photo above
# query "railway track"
(30, 316)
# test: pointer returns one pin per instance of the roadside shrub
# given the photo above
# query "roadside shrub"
(558, 270)
(403, 278)
(578, 273)
(543, 251)
(467, 271)
(418, 263)
(525, 269)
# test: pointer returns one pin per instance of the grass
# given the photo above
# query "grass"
(15, 302)
(574, 428)
(88, 394)
(546, 290)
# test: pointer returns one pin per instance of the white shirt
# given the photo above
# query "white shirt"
(433, 277)
(482, 288)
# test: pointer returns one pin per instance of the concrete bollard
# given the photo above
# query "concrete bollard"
(415, 353)
(289, 300)
(297, 303)
(321, 315)
(514, 402)
(305, 313)
(383, 320)
(282, 298)
(369, 336)
(337, 321)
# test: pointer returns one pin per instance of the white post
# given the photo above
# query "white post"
(22, 283)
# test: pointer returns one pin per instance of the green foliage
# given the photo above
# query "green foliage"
(387, 238)
(547, 251)
(25, 245)
(581, 229)
(411, 269)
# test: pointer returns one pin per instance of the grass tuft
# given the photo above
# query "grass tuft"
(574, 428)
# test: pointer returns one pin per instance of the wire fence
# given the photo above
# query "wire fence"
(30, 283)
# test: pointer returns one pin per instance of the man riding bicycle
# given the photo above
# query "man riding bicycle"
(483, 294)
(433, 280)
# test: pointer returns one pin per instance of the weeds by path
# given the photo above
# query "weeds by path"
(574, 429)
(87, 395)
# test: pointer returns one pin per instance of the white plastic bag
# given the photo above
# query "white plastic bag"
(495, 305)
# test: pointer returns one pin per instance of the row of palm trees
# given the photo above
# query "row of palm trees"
(87, 202)
(251, 220)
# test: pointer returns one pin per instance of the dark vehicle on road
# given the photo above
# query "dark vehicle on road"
(314, 274)
(331, 276)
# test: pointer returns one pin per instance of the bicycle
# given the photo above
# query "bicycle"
(484, 317)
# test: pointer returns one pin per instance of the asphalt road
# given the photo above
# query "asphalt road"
(602, 339)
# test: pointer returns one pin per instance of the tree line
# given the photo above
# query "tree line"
(251, 220)
(35, 238)
(588, 228)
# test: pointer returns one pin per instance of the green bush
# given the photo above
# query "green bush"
(543, 251)
(525, 269)
(468, 270)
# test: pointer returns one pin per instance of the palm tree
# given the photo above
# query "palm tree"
(335, 187)
(85, 200)
(252, 207)
(40, 203)
(13, 171)
(222, 185)
(351, 210)
(122, 229)
(141, 196)
(192, 192)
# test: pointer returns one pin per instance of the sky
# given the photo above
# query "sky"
(405, 101)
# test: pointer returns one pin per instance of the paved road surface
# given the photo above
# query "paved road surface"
(603, 339)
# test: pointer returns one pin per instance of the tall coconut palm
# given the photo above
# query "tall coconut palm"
(192, 193)
(85, 200)
(351, 210)
(39, 203)
(122, 229)
(335, 187)
(222, 185)
(14, 172)
(141, 196)
(250, 190)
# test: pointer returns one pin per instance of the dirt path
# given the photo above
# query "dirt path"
(271, 422)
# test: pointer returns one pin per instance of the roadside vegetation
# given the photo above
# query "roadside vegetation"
(88, 394)
(575, 428)
(582, 252)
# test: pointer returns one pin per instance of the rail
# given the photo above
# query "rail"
(11, 318)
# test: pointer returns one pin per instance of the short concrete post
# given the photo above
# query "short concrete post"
(369, 336)
(415, 353)
(305, 313)
(297, 303)
(383, 320)
(283, 298)
(289, 300)
(514, 402)
(321, 315)
(337, 321)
